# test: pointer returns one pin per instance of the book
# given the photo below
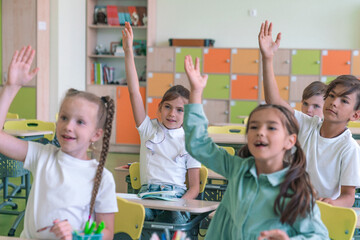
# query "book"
(100, 15)
(142, 12)
(161, 195)
(121, 14)
(134, 15)
(112, 15)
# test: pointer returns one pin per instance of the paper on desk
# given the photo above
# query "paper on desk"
(127, 195)
(161, 195)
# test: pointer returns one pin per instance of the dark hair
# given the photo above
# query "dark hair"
(351, 84)
(104, 121)
(174, 92)
(296, 196)
(316, 88)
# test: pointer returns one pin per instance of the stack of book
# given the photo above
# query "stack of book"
(118, 15)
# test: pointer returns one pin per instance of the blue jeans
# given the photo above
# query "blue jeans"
(161, 215)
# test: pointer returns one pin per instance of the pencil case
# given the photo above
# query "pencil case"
(81, 236)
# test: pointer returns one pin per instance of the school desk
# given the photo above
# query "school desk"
(27, 134)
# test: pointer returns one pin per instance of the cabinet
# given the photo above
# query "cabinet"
(124, 135)
(336, 62)
(19, 20)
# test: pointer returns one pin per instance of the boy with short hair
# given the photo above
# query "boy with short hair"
(333, 156)
(312, 102)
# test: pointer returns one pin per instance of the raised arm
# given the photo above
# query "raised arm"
(18, 75)
(268, 49)
(131, 76)
(197, 82)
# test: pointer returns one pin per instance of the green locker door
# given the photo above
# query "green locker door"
(305, 62)
(180, 57)
(240, 109)
(217, 87)
(24, 103)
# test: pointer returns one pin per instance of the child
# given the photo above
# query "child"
(68, 188)
(269, 194)
(333, 156)
(313, 99)
(163, 158)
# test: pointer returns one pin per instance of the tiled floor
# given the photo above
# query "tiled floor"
(113, 160)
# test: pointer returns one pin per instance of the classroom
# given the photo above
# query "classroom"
(75, 48)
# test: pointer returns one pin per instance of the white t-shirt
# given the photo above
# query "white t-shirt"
(61, 189)
(163, 158)
(331, 162)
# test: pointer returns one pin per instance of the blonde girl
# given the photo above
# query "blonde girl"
(68, 188)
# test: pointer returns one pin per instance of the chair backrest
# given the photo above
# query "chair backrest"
(12, 116)
(339, 221)
(134, 171)
(130, 218)
(230, 150)
(32, 124)
(227, 129)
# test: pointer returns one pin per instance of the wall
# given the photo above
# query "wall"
(303, 23)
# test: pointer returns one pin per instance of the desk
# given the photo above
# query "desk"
(185, 205)
(26, 133)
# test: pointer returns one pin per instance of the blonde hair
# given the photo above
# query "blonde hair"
(104, 121)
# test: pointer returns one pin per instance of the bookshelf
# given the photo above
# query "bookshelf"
(125, 136)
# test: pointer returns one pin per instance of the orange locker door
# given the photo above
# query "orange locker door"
(216, 60)
(356, 63)
(126, 132)
(152, 107)
(159, 83)
(244, 87)
(245, 61)
(336, 62)
(283, 83)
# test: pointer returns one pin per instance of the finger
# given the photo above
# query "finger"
(123, 33)
(33, 72)
(197, 64)
(21, 54)
(27, 54)
(30, 57)
(261, 33)
(278, 38)
(266, 28)
(270, 29)
(13, 60)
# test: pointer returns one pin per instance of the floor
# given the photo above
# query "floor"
(113, 160)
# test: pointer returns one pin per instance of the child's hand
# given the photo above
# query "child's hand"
(197, 81)
(62, 229)
(275, 234)
(19, 70)
(327, 200)
(267, 46)
(128, 37)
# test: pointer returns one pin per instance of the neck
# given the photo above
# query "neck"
(268, 167)
(331, 130)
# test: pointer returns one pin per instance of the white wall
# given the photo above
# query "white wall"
(304, 23)
(331, 24)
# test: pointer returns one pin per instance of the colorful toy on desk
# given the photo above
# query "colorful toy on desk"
(90, 232)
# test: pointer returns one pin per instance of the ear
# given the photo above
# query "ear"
(355, 116)
(97, 135)
(290, 141)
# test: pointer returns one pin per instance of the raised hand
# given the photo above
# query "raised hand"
(197, 81)
(62, 230)
(267, 46)
(19, 70)
(128, 37)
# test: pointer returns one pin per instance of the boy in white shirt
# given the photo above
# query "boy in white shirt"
(333, 156)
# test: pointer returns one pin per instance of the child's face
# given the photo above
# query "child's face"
(268, 139)
(340, 109)
(172, 113)
(313, 106)
(76, 126)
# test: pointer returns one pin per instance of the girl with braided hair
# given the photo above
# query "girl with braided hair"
(68, 188)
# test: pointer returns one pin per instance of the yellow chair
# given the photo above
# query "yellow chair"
(12, 116)
(134, 171)
(227, 129)
(339, 221)
(230, 150)
(129, 219)
(32, 124)
(353, 124)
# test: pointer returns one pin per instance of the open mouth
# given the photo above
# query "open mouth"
(261, 144)
(67, 137)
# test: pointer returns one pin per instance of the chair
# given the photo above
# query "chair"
(12, 116)
(227, 129)
(129, 219)
(12, 168)
(339, 221)
(230, 150)
(134, 171)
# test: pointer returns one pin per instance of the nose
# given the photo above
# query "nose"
(260, 132)
(172, 112)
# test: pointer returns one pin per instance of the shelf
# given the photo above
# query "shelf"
(112, 56)
(103, 26)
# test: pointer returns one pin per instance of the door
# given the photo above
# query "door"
(305, 62)
(159, 83)
(336, 62)
(217, 87)
(240, 110)
(244, 87)
(216, 60)
(160, 59)
(180, 54)
(245, 61)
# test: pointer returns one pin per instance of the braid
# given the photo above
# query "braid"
(110, 108)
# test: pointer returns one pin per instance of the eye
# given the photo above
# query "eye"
(63, 118)
(316, 106)
(331, 95)
(345, 101)
(252, 127)
(305, 104)
(167, 106)
(180, 110)
(271, 128)
(80, 122)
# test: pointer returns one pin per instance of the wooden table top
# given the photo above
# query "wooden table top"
(26, 133)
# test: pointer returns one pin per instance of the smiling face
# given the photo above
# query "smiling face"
(76, 126)
(268, 139)
(339, 108)
(172, 112)
(313, 106)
